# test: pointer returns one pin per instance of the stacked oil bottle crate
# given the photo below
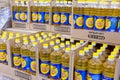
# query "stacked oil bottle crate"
(49, 56)
(36, 55)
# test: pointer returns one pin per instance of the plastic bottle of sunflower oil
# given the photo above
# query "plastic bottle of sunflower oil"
(57, 42)
(62, 47)
(33, 51)
(52, 43)
(55, 68)
(87, 53)
(62, 39)
(3, 50)
(25, 56)
(81, 66)
(17, 35)
(72, 41)
(94, 46)
(16, 54)
(109, 68)
(65, 64)
(104, 52)
(94, 68)
(102, 58)
(91, 49)
(67, 44)
(45, 60)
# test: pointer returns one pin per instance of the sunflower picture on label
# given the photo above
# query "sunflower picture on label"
(44, 68)
(54, 71)
(100, 23)
(56, 18)
(39, 17)
(3, 56)
(23, 16)
(34, 16)
(17, 61)
(70, 19)
(79, 21)
(46, 17)
(63, 18)
(17, 16)
(108, 24)
(33, 65)
(78, 76)
(23, 63)
(64, 74)
(89, 22)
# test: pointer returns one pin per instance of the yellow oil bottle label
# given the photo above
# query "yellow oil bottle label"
(70, 19)
(34, 16)
(17, 16)
(46, 17)
(78, 76)
(3, 56)
(23, 16)
(55, 70)
(65, 73)
(63, 18)
(16, 61)
(39, 17)
(33, 66)
(56, 18)
(80, 21)
(100, 23)
(23, 62)
(89, 22)
(45, 67)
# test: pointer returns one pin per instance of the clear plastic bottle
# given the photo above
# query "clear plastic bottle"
(62, 39)
(32, 40)
(17, 35)
(90, 49)
(37, 35)
(81, 42)
(45, 60)
(94, 46)
(109, 69)
(87, 53)
(104, 52)
(3, 50)
(25, 56)
(67, 43)
(50, 34)
(57, 42)
(72, 41)
(81, 66)
(102, 58)
(55, 68)
(65, 64)
(52, 43)
(47, 39)
(16, 54)
(94, 68)
(62, 48)
(33, 51)
(77, 44)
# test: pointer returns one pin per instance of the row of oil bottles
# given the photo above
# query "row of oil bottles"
(95, 62)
